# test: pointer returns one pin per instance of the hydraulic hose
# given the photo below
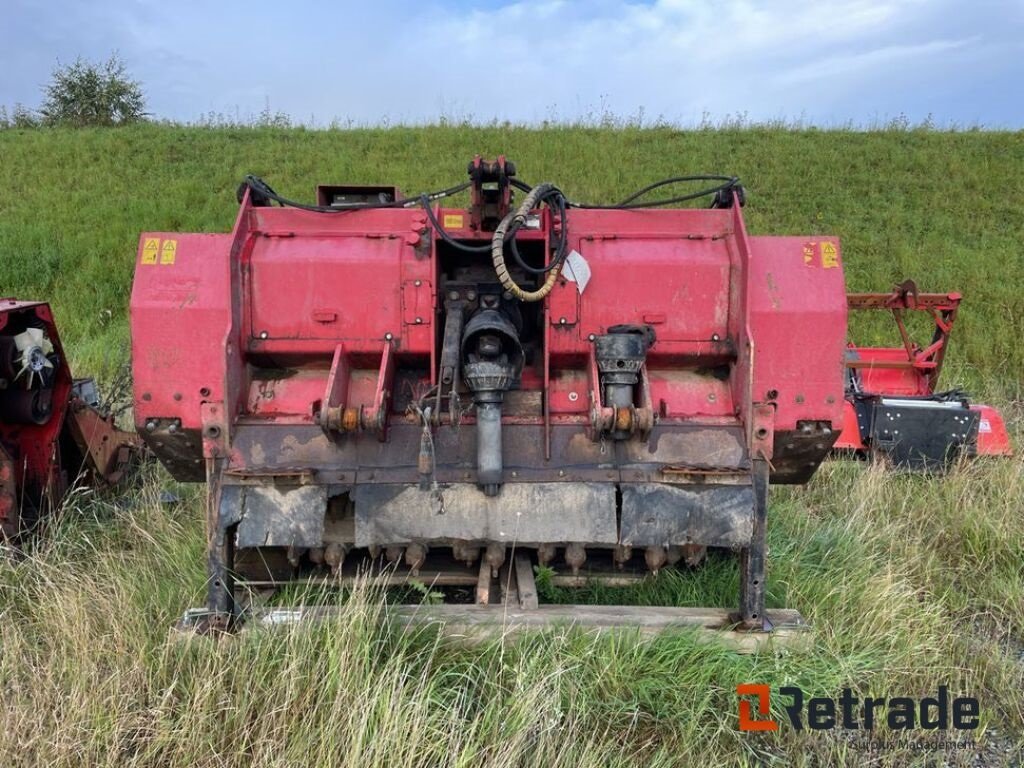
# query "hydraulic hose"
(514, 221)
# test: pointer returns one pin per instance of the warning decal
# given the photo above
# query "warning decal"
(167, 251)
(829, 255)
(149, 250)
(453, 221)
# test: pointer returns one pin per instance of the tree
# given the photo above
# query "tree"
(87, 93)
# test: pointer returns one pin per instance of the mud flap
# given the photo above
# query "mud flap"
(662, 515)
(273, 516)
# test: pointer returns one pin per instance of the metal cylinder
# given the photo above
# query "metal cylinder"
(492, 359)
(488, 447)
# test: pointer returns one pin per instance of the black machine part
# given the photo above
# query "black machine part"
(492, 361)
(620, 355)
(918, 433)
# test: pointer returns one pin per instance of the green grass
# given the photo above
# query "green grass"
(910, 581)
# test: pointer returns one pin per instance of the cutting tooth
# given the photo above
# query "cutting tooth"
(546, 553)
(295, 555)
(495, 556)
(316, 555)
(621, 555)
(693, 554)
(655, 557)
(465, 552)
(415, 556)
(334, 556)
(394, 554)
(575, 557)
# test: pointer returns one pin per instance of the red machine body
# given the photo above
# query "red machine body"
(297, 364)
(50, 429)
(909, 373)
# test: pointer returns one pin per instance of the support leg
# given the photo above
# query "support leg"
(752, 558)
(220, 556)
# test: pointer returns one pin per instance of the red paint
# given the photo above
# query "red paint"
(746, 330)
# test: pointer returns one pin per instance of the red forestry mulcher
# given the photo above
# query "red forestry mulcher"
(53, 431)
(457, 396)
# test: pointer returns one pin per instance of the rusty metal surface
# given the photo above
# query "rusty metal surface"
(528, 513)
(270, 516)
(661, 515)
(107, 450)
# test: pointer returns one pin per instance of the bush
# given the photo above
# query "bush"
(92, 94)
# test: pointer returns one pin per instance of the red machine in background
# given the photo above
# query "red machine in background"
(465, 393)
(52, 430)
(893, 405)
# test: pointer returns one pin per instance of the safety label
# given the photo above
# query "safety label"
(829, 255)
(150, 248)
(168, 251)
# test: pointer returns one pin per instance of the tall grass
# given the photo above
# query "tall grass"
(910, 582)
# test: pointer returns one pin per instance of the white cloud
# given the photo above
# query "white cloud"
(831, 60)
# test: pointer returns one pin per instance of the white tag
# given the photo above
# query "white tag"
(984, 426)
(576, 269)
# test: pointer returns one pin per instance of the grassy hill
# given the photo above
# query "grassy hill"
(911, 582)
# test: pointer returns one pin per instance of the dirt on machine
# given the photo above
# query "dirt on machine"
(463, 396)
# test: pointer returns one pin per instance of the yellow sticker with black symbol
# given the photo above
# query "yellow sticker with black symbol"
(150, 248)
(829, 255)
(453, 221)
(168, 251)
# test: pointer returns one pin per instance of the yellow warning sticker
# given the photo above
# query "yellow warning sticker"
(167, 251)
(149, 250)
(829, 255)
(453, 221)
(809, 253)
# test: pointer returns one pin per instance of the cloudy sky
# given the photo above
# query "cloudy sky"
(824, 62)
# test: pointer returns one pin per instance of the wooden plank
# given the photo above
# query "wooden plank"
(386, 579)
(483, 583)
(607, 579)
(527, 585)
(476, 623)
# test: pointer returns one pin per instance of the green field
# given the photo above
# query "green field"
(911, 582)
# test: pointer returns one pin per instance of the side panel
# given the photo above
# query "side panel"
(797, 318)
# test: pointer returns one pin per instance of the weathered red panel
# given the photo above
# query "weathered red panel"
(797, 318)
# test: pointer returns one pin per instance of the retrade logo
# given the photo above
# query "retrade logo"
(763, 694)
(900, 713)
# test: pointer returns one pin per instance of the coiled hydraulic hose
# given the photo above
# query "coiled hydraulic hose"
(515, 221)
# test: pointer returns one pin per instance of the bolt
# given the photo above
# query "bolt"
(453, 295)
(177, 395)
(561, 473)
(561, 321)
(264, 334)
(573, 397)
(419, 320)
(471, 295)
(172, 427)
(418, 283)
(150, 426)
(711, 396)
(591, 337)
(714, 337)
(388, 336)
